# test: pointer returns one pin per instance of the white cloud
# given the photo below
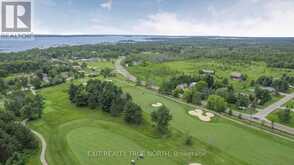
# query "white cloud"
(50, 3)
(244, 18)
(107, 5)
(165, 24)
(101, 25)
(276, 18)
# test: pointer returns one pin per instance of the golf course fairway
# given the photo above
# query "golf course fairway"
(72, 132)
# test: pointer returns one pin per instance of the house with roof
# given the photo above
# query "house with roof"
(207, 71)
(236, 76)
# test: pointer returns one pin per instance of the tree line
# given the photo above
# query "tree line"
(111, 99)
(15, 140)
(282, 84)
(25, 105)
(219, 93)
(108, 97)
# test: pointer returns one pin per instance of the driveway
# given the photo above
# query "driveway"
(265, 112)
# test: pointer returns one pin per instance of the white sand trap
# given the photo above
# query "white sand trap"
(203, 117)
(194, 164)
(157, 105)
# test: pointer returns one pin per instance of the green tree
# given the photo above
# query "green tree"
(133, 113)
(117, 106)
(2, 86)
(188, 95)
(33, 107)
(106, 72)
(210, 81)
(197, 98)
(81, 97)
(243, 100)
(281, 85)
(15, 102)
(73, 89)
(201, 86)
(161, 118)
(189, 140)
(216, 103)
(36, 82)
(16, 159)
(285, 116)
(263, 95)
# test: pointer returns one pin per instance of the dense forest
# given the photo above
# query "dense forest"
(15, 140)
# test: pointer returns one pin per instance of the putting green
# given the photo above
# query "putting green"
(248, 145)
(96, 145)
(223, 142)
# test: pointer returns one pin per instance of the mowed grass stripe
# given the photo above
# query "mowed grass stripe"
(56, 124)
(251, 146)
(225, 142)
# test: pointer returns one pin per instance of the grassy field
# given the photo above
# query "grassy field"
(72, 132)
(157, 73)
(101, 64)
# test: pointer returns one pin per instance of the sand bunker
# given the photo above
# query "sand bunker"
(194, 164)
(157, 105)
(203, 117)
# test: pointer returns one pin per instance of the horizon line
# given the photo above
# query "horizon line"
(164, 35)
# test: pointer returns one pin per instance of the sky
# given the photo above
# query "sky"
(251, 18)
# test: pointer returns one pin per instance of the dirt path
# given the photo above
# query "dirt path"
(43, 144)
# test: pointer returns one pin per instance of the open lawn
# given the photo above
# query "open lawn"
(242, 143)
(157, 73)
(101, 64)
(72, 132)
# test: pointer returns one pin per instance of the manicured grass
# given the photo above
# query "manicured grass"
(274, 116)
(71, 132)
(63, 127)
(97, 137)
(158, 73)
(101, 64)
(247, 145)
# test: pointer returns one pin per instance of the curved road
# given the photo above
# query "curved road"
(264, 113)
(43, 143)
(121, 70)
(259, 117)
